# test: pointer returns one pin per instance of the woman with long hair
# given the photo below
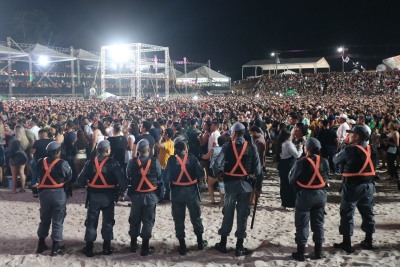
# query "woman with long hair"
(57, 133)
(18, 145)
(82, 150)
(99, 133)
(288, 153)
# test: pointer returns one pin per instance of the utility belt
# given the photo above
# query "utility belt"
(358, 180)
(247, 178)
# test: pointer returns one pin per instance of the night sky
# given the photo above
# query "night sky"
(229, 33)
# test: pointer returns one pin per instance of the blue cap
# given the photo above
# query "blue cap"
(53, 146)
(103, 144)
(237, 127)
(142, 144)
(313, 143)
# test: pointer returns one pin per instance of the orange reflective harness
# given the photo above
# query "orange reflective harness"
(317, 174)
(368, 161)
(183, 172)
(144, 178)
(100, 175)
(47, 176)
(238, 161)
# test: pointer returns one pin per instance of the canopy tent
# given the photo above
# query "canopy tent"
(291, 92)
(392, 62)
(107, 96)
(288, 72)
(86, 55)
(173, 72)
(7, 53)
(203, 75)
(276, 64)
(38, 50)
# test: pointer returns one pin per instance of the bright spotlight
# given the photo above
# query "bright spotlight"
(195, 98)
(340, 49)
(120, 53)
(44, 60)
(272, 54)
(257, 95)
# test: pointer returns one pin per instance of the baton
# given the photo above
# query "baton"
(254, 213)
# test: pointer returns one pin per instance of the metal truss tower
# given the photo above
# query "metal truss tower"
(139, 62)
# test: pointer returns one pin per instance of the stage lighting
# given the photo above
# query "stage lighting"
(120, 53)
(44, 60)
(340, 49)
(195, 98)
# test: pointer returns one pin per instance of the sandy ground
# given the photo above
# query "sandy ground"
(272, 238)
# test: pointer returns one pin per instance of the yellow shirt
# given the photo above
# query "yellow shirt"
(165, 153)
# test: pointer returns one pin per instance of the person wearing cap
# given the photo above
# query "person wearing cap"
(38, 151)
(145, 134)
(104, 180)
(184, 171)
(54, 175)
(143, 175)
(342, 134)
(344, 126)
(358, 188)
(309, 175)
(237, 161)
(193, 134)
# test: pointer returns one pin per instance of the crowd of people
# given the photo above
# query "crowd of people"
(214, 131)
(332, 83)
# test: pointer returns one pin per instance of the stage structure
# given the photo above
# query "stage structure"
(135, 62)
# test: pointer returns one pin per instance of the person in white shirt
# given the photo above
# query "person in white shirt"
(341, 131)
(34, 128)
(213, 139)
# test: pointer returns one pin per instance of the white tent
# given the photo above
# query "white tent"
(203, 75)
(38, 50)
(288, 72)
(287, 64)
(7, 53)
(392, 62)
(107, 96)
(86, 56)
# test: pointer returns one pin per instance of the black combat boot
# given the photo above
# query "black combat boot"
(345, 245)
(240, 249)
(367, 243)
(134, 245)
(201, 243)
(182, 247)
(88, 249)
(146, 249)
(56, 249)
(299, 255)
(318, 251)
(221, 246)
(41, 245)
(107, 248)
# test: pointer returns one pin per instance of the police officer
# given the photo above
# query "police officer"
(358, 188)
(54, 188)
(104, 178)
(143, 176)
(235, 163)
(184, 171)
(309, 175)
